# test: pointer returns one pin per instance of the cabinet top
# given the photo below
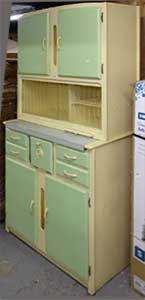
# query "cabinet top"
(77, 5)
(57, 136)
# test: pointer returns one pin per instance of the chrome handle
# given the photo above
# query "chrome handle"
(58, 42)
(15, 138)
(70, 175)
(70, 157)
(32, 206)
(44, 43)
(14, 152)
(46, 214)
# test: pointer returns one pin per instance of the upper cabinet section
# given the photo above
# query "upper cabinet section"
(61, 42)
(79, 42)
(34, 44)
(78, 64)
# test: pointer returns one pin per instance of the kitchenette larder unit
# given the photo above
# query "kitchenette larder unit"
(68, 155)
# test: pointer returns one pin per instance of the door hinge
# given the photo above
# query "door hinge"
(89, 202)
(102, 17)
(102, 68)
(89, 271)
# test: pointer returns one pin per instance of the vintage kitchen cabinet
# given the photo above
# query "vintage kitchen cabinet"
(73, 137)
(85, 68)
(74, 211)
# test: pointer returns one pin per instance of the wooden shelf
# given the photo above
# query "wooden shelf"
(63, 102)
(98, 105)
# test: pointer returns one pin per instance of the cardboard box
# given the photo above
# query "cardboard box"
(139, 250)
(138, 266)
(139, 189)
(138, 242)
(140, 109)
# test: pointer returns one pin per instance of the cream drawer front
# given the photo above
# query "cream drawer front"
(72, 157)
(41, 154)
(18, 138)
(73, 174)
(17, 152)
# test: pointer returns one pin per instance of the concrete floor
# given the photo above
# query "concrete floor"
(24, 274)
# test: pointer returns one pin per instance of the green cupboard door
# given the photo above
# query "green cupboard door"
(34, 51)
(67, 226)
(79, 42)
(21, 199)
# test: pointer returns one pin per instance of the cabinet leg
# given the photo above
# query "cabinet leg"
(91, 292)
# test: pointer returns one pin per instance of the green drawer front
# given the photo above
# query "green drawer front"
(41, 154)
(73, 174)
(17, 151)
(72, 157)
(16, 137)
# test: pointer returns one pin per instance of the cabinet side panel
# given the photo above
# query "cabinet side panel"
(112, 208)
(123, 66)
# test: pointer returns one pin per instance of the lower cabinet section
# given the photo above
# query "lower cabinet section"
(67, 226)
(21, 199)
(83, 230)
(64, 216)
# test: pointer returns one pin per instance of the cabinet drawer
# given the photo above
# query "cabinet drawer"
(17, 151)
(72, 173)
(72, 157)
(16, 137)
(41, 154)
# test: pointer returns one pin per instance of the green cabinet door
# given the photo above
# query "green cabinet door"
(79, 42)
(21, 199)
(67, 226)
(33, 37)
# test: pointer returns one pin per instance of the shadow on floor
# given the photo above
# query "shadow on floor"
(24, 274)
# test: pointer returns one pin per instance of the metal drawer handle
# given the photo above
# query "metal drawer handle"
(15, 138)
(32, 206)
(70, 175)
(14, 152)
(68, 157)
(39, 153)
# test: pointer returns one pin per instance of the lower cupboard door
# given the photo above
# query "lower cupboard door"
(67, 226)
(21, 199)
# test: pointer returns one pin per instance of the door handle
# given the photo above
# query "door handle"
(42, 217)
(58, 42)
(32, 206)
(46, 214)
(55, 45)
(44, 43)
